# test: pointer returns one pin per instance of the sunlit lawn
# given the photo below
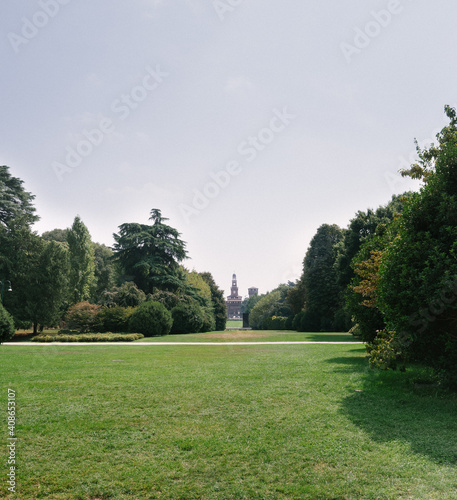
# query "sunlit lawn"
(234, 323)
(254, 336)
(224, 422)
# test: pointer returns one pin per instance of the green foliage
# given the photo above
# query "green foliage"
(384, 351)
(151, 319)
(60, 235)
(47, 285)
(150, 254)
(126, 295)
(104, 271)
(418, 284)
(263, 309)
(318, 284)
(298, 321)
(275, 323)
(6, 325)
(15, 203)
(197, 282)
(187, 318)
(82, 263)
(361, 229)
(218, 302)
(83, 317)
(248, 303)
(269, 305)
(92, 337)
(169, 299)
(115, 319)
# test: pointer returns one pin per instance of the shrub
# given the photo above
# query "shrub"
(115, 319)
(279, 323)
(91, 337)
(83, 317)
(187, 318)
(383, 351)
(151, 319)
(6, 325)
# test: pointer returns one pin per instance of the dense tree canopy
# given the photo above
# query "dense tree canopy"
(15, 203)
(318, 283)
(150, 254)
(418, 273)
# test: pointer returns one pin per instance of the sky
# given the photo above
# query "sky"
(248, 123)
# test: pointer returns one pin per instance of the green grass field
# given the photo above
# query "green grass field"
(234, 323)
(224, 422)
(253, 336)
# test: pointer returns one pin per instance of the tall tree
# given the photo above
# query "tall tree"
(105, 271)
(150, 255)
(218, 300)
(82, 265)
(47, 285)
(319, 279)
(15, 202)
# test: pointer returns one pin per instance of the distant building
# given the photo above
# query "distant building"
(234, 301)
(253, 291)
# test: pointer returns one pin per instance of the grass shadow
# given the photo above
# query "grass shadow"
(403, 407)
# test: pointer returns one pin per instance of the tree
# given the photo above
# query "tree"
(20, 249)
(218, 301)
(322, 298)
(47, 285)
(264, 309)
(269, 305)
(418, 273)
(59, 235)
(361, 229)
(104, 270)
(15, 202)
(150, 254)
(82, 266)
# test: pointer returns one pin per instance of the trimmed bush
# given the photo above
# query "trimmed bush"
(187, 318)
(6, 325)
(83, 317)
(151, 319)
(90, 337)
(115, 319)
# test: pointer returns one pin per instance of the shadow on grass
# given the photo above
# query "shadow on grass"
(402, 407)
(332, 337)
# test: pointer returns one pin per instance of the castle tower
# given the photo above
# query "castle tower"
(234, 301)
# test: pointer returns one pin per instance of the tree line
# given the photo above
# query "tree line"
(390, 277)
(62, 273)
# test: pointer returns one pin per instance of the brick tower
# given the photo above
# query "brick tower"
(234, 301)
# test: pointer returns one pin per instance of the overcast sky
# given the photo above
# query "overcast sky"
(248, 123)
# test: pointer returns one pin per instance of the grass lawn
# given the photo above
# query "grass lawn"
(224, 422)
(254, 336)
(234, 323)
